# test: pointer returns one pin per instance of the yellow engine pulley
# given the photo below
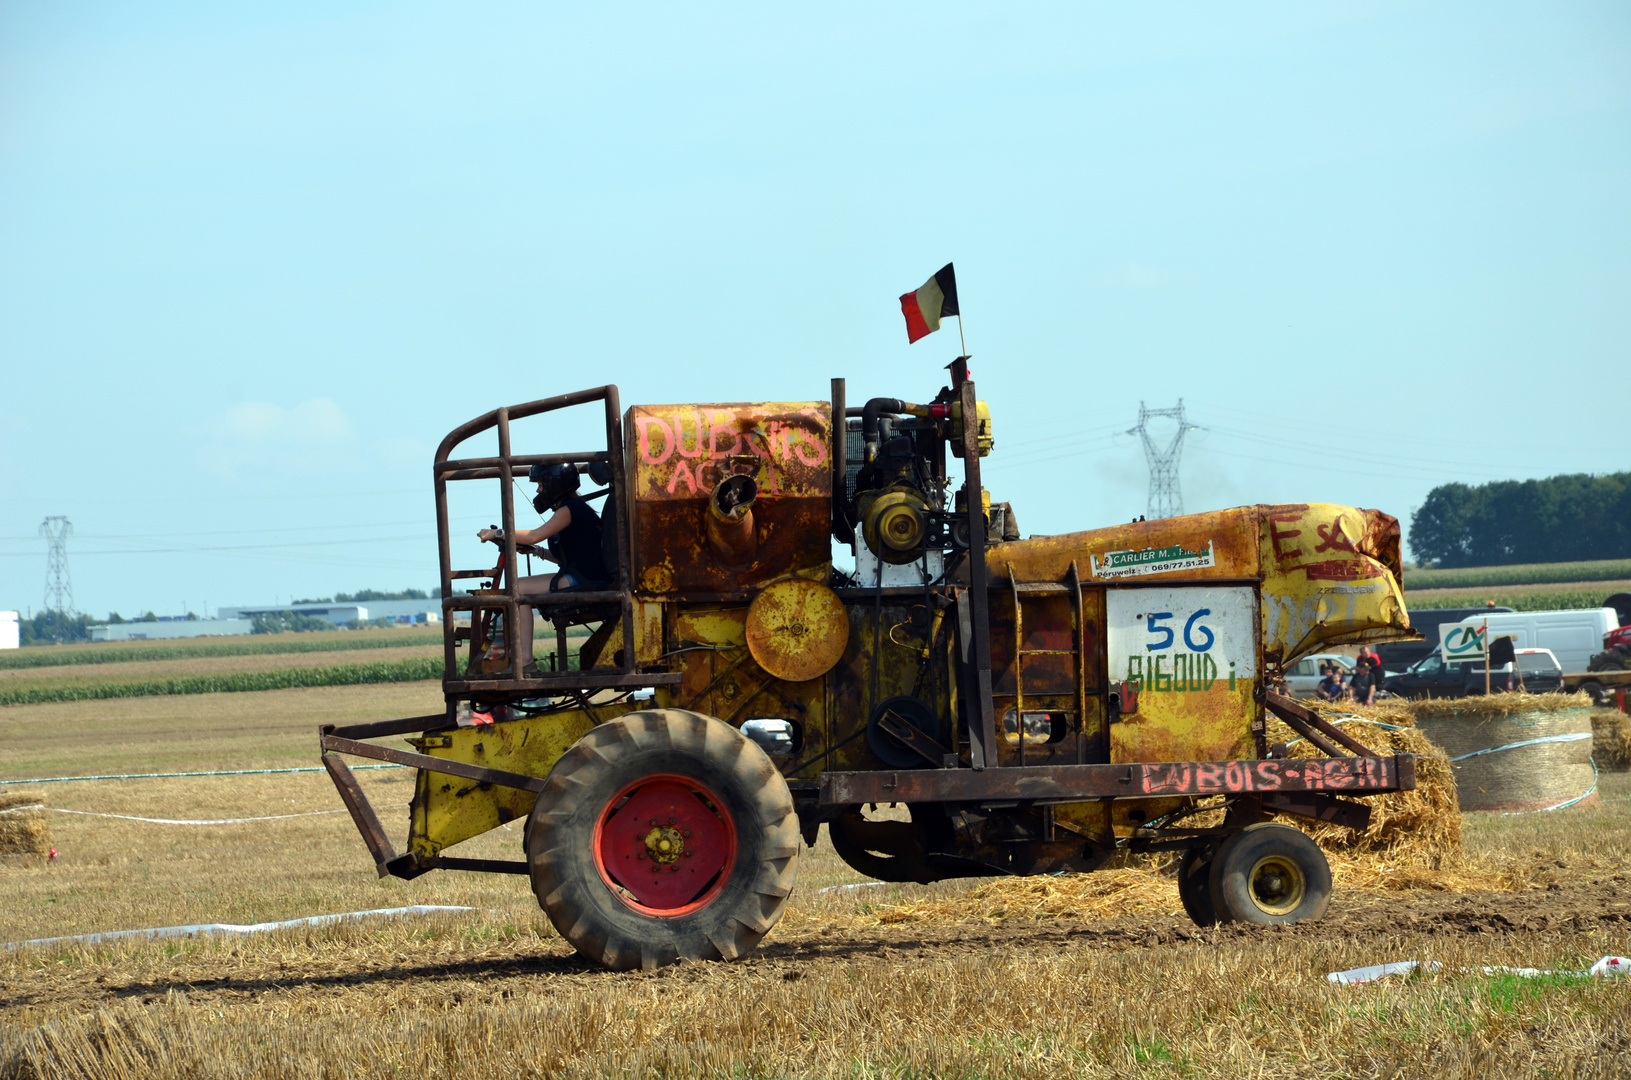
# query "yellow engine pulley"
(797, 629)
(895, 525)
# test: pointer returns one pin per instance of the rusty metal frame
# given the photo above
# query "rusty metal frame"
(386, 861)
(1080, 612)
(362, 812)
(982, 721)
(427, 763)
(503, 468)
(841, 528)
(1313, 727)
(1019, 667)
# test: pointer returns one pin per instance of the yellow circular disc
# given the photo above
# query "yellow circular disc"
(797, 629)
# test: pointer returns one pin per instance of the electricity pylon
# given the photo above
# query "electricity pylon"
(1166, 497)
(59, 587)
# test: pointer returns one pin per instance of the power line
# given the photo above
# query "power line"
(1166, 497)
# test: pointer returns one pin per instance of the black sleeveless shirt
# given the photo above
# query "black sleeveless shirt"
(577, 547)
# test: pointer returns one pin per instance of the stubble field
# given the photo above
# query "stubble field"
(1095, 976)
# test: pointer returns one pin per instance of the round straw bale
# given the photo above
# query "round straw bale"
(24, 827)
(1419, 828)
(1517, 772)
(1611, 740)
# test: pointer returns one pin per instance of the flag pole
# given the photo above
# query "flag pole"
(1486, 656)
(960, 340)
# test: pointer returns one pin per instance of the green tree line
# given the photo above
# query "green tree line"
(1559, 519)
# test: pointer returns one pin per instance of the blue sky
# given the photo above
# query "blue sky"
(256, 260)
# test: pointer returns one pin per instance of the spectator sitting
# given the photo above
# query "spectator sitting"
(1367, 678)
(1332, 687)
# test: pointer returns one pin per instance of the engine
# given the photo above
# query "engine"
(897, 483)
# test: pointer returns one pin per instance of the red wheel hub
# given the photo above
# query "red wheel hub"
(665, 845)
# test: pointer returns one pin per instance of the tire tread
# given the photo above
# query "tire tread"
(589, 916)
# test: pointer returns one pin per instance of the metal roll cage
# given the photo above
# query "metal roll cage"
(504, 468)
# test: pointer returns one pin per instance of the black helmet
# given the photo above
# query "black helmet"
(555, 482)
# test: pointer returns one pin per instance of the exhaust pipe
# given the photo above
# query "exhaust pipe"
(729, 524)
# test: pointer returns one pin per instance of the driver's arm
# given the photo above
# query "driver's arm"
(557, 522)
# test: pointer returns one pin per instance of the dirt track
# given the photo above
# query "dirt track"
(1393, 919)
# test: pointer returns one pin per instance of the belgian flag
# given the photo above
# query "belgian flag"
(925, 307)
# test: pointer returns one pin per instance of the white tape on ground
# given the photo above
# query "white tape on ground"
(851, 888)
(1608, 965)
(204, 929)
(186, 821)
(164, 775)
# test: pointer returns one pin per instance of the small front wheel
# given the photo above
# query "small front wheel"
(1270, 873)
(661, 836)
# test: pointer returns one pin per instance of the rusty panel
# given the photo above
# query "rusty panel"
(1046, 673)
(711, 675)
(1050, 680)
(1091, 819)
(649, 642)
(1331, 577)
(447, 809)
(1221, 544)
(1049, 624)
(851, 686)
(723, 681)
(679, 453)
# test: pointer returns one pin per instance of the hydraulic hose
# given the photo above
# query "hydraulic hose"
(879, 406)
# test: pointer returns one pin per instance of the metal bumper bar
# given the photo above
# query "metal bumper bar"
(386, 861)
(1078, 783)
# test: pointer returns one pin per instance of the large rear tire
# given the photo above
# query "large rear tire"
(1270, 873)
(1607, 660)
(662, 836)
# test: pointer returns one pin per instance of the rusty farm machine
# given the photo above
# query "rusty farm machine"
(1036, 705)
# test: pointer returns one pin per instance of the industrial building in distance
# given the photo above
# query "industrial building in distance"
(405, 612)
(241, 619)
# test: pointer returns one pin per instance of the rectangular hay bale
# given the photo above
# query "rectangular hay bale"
(25, 828)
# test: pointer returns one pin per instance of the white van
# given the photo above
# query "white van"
(1573, 636)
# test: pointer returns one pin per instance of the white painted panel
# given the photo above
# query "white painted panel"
(1213, 624)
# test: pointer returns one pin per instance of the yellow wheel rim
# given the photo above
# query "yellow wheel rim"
(1277, 885)
(797, 629)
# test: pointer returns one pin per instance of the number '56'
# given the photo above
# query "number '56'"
(1192, 626)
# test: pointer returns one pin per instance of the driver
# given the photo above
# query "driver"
(572, 534)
